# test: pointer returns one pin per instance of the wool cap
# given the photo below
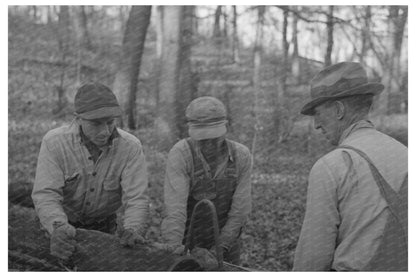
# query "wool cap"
(206, 118)
(95, 100)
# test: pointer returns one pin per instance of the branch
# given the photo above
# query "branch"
(379, 56)
(298, 14)
(350, 40)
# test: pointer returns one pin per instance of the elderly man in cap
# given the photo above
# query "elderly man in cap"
(356, 211)
(87, 170)
(207, 166)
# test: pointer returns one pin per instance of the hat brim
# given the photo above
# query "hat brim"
(369, 88)
(101, 113)
(207, 132)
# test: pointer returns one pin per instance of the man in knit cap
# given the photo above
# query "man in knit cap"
(207, 166)
(356, 211)
(86, 171)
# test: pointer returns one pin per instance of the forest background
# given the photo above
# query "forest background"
(257, 59)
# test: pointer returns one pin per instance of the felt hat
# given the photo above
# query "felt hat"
(338, 81)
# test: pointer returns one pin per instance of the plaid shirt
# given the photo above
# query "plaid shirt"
(70, 186)
(345, 212)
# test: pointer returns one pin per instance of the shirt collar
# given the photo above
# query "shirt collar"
(354, 127)
(85, 140)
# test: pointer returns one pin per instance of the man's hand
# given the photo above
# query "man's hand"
(207, 259)
(173, 248)
(62, 242)
(130, 238)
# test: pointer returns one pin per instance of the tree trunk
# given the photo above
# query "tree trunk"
(169, 74)
(83, 24)
(49, 15)
(79, 41)
(35, 13)
(283, 120)
(217, 27)
(159, 49)
(125, 84)
(295, 54)
(185, 85)
(285, 47)
(365, 34)
(63, 35)
(256, 74)
(391, 78)
(225, 24)
(330, 36)
(235, 46)
(64, 32)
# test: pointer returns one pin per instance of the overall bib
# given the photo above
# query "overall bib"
(392, 253)
(219, 191)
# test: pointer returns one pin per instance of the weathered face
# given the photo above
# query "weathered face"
(325, 119)
(98, 130)
(211, 146)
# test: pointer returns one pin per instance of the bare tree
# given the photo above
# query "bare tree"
(235, 46)
(159, 48)
(330, 35)
(283, 121)
(64, 36)
(365, 34)
(125, 84)
(295, 53)
(83, 25)
(225, 23)
(217, 27)
(185, 87)
(397, 19)
(169, 71)
(256, 73)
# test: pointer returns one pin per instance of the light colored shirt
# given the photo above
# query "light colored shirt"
(176, 190)
(345, 212)
(69, 186)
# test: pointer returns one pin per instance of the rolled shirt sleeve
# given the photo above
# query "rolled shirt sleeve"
(134, 185)
(47, 191)
(241, 204)
(176, 189)
(317, 242)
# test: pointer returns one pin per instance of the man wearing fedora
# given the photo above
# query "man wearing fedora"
(207, 166)
(356, 210)
(87, 170)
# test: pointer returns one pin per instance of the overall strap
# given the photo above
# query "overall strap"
(231, 168)
(197, 167)
(395, 201)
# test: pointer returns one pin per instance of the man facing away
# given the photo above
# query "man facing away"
(87, 170)
(356, 211)
(207, 166)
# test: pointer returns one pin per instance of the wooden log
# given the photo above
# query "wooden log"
(95, 251)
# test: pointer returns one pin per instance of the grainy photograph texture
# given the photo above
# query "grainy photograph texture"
(207, 138)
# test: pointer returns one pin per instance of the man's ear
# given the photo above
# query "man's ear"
(340, 110)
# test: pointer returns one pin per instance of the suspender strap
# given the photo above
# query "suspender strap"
(394, 200)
